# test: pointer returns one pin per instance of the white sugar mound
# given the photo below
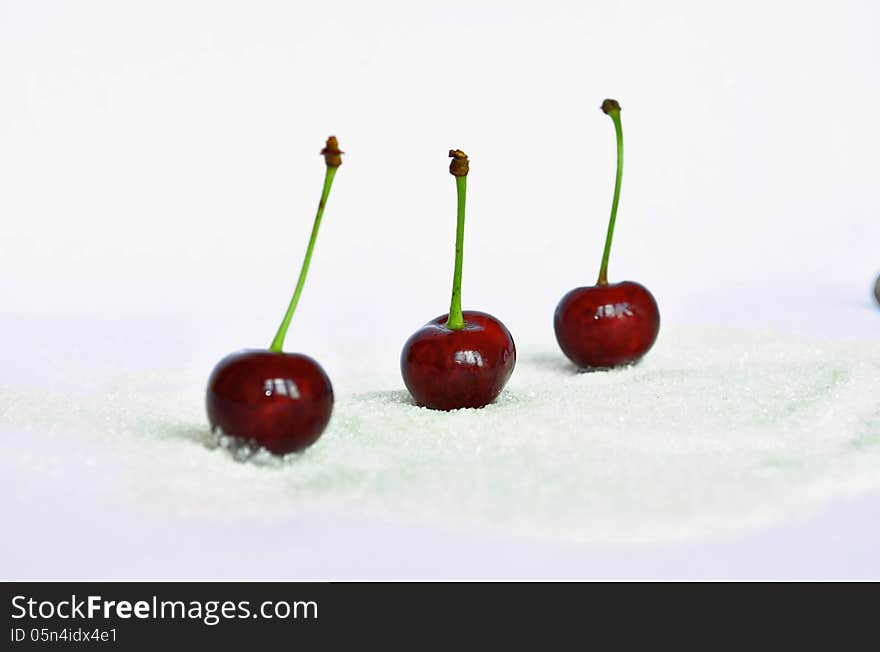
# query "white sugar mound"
(714, 432)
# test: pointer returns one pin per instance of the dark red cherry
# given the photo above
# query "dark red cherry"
(606, 325)
(280, 401)
(446, 369)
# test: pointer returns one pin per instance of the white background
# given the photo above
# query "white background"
(159, 172)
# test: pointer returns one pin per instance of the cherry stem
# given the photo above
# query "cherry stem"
(456, 319)
(612, 108)
(332, 155)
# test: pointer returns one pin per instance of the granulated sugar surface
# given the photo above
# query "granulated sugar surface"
(714, 432)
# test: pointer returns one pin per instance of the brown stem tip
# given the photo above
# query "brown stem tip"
(610, 105)
(331, 153)
(458, 166)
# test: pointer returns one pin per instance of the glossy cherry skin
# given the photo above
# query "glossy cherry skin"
(445, 369)
(606, 325)
(280, 401)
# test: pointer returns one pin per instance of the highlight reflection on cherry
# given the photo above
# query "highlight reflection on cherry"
(461, 359)
(280, 401)
(607, 325)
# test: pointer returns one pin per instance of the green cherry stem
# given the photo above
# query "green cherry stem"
(333, 158)
(459, 169)
(612, 108)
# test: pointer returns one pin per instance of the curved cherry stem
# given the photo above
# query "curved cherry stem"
(278, 342)
(612, 108)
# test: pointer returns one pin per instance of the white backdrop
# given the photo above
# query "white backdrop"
(159, 169)
(162, 158)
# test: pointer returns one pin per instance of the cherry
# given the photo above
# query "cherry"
(280, 401)
(607, 325)
(447, 369)
(460, 359)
